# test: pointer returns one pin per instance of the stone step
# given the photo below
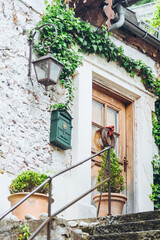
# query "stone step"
(133, 217)
(128, 227)
(143, 235)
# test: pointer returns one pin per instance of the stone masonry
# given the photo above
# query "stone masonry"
(25, 107)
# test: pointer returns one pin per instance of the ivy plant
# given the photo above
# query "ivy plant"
(76, 37)
(156, 17)
(155, 196)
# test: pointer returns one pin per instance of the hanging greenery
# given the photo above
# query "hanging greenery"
(155, 196)
(155, 21)
(76, 37)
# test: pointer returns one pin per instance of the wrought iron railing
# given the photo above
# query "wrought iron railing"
(49, 180)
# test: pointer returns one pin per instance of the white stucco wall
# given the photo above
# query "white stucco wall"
(25, 116)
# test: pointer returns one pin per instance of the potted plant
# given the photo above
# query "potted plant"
(117, 185)
(24, 183)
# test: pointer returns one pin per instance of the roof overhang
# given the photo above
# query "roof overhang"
(92, 11)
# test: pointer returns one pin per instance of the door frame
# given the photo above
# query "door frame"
(129, 104)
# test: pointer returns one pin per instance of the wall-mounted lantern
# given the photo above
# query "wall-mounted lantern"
(47, 68)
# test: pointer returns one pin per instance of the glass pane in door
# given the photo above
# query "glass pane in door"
(112, 118)
(97, 118)
(97, 112)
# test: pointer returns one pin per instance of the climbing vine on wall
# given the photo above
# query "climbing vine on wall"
(155, 196)
(76, 37)
(155, 21)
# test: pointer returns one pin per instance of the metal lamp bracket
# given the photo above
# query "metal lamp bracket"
(31, 44)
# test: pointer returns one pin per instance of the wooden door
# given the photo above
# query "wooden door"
(107, 111)
(110, 109)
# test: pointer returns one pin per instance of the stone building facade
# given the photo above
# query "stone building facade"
(25, 117)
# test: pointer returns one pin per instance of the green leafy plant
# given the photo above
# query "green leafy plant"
(24, 231)
(155, 196)
(143, 2)
(156, 125)
(27, 181)
(156, 17)
(76, 37)
(117, 180)
(60, 106)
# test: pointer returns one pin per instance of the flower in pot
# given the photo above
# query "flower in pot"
(24, 183)
(117, 185)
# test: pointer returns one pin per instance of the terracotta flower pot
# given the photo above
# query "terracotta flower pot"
(117, 203)
(35, 205)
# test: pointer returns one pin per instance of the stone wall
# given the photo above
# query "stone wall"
(24, 108)
(24, 104)
(60, 229)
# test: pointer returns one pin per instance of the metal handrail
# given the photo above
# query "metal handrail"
(49, 180)
(109, 184)
(64, 208)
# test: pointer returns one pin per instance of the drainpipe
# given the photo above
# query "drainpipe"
(121, 13)
(119, 7)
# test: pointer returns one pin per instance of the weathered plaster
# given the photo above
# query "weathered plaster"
(25, 115)
(25, 108)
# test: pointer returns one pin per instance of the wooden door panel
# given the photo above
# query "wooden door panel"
(120, 108)
(124, 106)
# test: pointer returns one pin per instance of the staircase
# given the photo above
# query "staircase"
(145, 225)
(136, 226)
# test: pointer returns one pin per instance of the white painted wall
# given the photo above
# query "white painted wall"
(4, 183)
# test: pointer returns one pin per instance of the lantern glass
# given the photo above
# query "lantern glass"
(41, 69)
(55, 70)
(47, 69)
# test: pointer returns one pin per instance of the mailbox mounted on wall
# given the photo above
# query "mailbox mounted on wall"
(61, 128)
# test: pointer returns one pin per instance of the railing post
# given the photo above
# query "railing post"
(107, 161)
(49, 210)
(109, 182)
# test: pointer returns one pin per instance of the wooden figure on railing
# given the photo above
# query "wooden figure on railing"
(104, 137)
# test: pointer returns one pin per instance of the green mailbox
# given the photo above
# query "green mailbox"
(61, 128)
